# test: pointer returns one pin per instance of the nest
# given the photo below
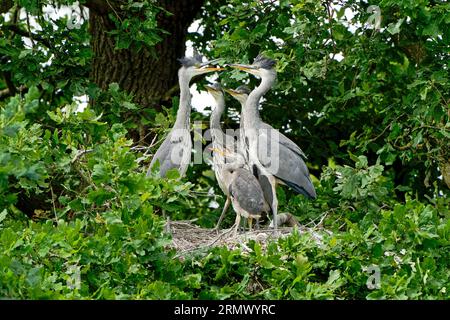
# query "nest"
(189, 239)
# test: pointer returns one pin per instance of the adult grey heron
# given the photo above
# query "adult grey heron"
(224, 145)
(286, 162)
(175, 151)
(245, 192)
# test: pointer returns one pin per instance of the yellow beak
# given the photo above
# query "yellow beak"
(211, 69)
(242, 67)
(231, 91)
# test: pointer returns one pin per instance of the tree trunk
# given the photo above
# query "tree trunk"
(148, 77)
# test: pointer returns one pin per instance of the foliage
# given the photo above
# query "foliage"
(80, 219)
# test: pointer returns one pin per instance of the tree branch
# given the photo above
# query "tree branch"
(25, 33)
(4, 94)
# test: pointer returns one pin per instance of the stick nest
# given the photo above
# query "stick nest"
(188, 238)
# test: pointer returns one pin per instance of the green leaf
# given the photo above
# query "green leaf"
(3, 215)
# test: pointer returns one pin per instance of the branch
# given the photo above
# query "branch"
(25, 33)
(4, 94)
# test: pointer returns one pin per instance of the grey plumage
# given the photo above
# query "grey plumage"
(175, 151)
(196, 59)
(245, 192)
(264, 62)
(243, 90)
(224, 146)
(259, 139)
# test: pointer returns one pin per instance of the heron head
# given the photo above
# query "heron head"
(230, 171)
(215, 90)
(261, 66)
(193, 66)
(240, 93)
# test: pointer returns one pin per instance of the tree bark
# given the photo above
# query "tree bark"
(148, 77)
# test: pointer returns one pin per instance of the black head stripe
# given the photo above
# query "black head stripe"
(264, 62)
(191, 61)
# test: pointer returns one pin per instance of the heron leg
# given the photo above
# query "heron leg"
(274, 206)
(236, 224)
(250, 222)
(224, 210)
(244, 225)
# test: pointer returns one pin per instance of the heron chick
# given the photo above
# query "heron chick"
(224, 145)
(245, 192)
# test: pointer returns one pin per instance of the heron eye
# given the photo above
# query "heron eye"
(231, 171)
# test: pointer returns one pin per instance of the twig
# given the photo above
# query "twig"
(81, 153)
(53, 202)
(29, 30)
(25, 33)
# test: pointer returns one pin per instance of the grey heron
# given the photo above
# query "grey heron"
(175, 151)
(224, 145)
(240, 94)
(286, 162)
(245, 192)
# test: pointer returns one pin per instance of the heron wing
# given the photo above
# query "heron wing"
(173, 154)
(247, 192)
(288, 143)
(285, 164)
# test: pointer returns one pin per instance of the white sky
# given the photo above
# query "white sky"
(202, 99)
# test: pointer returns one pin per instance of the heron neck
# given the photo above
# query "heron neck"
(184, 107)
(217, 113)
(250, 112)
(241, 120)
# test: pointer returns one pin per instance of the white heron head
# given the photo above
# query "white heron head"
(262, 67)
(240, 93)
(215, 90)
(193, 66)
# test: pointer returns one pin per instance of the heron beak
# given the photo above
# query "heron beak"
(211, 69)
(210, 89)
(243, 67)
(231, 91)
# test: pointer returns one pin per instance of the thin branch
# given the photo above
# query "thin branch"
(80, 153)
(5, 93)
(25, 33)
(29, 31)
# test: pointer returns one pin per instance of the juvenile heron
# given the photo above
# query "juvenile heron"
(175, 151)
(224, 145)
(240, 94)
(246, 194)
(286, 162)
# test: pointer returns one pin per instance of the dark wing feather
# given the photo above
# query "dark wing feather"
(245, 189)
(290, 169)
(288, 143)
